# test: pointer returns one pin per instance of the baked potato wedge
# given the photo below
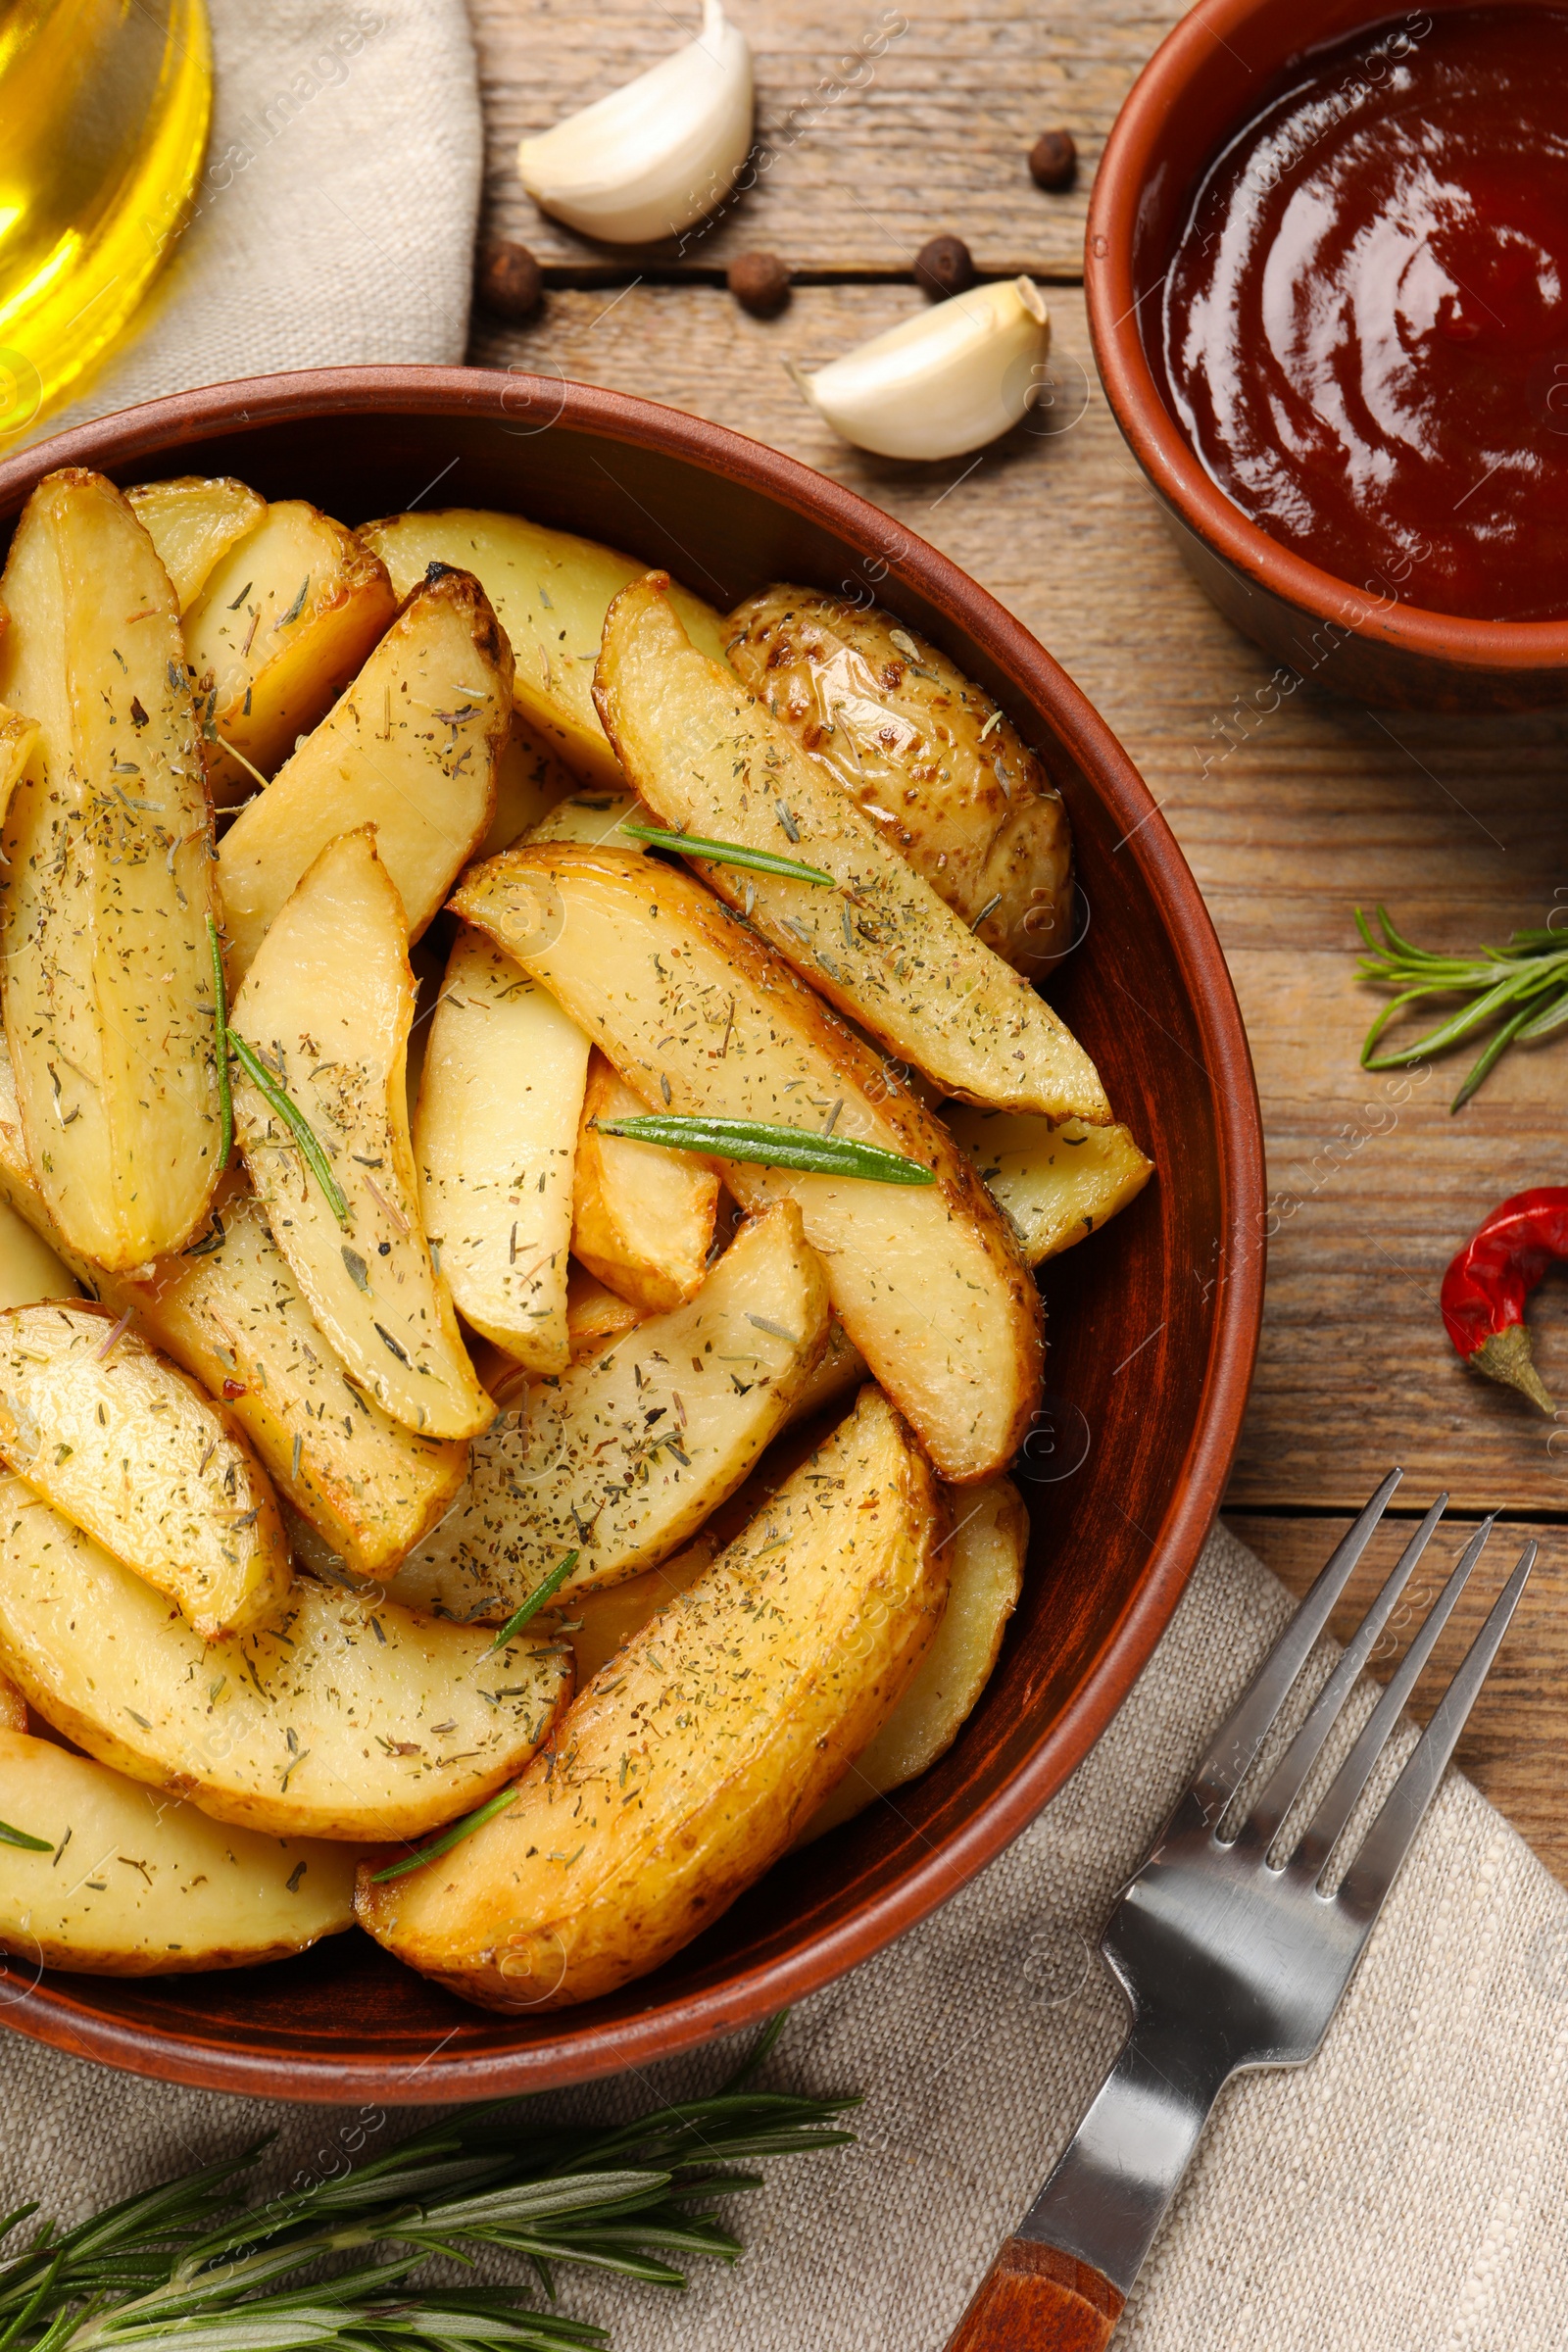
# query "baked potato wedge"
(326, 1008)
(987, 1549)
(350, 1718)
(234, 1316)
(934, 762)
(17, 737)
(130, 1450)
(137, 1885)
(596, 1314)
(880, 944)
(623, 1457)
(193, 524)
(699, 1016)
(689, 1763)
(595, 817)
(13, 1709)
(29, 1268)
(108, 883)
(285, 618)
(642, 1218)
(229, 1311)
(601, 1623)
(551, 592)
(839, 1368)
(1056, 1184)
(531, 781)
(411, 748)
(495, 1138)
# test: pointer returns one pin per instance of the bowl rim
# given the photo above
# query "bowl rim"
(53, 2013)
(1132, 160)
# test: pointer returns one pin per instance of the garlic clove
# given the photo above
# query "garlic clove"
(655, 154)
(947, 380)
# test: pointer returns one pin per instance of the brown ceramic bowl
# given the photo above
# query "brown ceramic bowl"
(1154, 1325)
(1353, 637)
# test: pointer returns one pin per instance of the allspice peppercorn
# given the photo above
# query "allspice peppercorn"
(759, 283)
(945, 267)
(509, 280)
(1054, 160)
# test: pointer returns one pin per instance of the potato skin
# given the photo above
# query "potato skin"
(686, 1767)
(952, 784)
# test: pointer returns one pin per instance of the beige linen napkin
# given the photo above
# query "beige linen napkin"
(333, 221)
(1403, 2192)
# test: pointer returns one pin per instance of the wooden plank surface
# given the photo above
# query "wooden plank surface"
(878, 128)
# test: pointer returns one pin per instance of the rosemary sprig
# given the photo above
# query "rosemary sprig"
(191, 2264)
(304, 1134)
(729, 852)
(763, 1146)
(226, 1093)
(535, 1602)
(1523, 987)
(453, 1835)
(28, 1844)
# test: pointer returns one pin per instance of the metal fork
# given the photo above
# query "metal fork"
(1232, 1955)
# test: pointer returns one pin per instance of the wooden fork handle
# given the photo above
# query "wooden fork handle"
(1035, 2299)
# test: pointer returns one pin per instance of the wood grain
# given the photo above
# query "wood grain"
(1037, 2299)
(877, 138)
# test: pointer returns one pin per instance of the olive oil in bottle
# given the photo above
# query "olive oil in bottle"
(104, 108)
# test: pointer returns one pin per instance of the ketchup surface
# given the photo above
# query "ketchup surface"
(1365, 330)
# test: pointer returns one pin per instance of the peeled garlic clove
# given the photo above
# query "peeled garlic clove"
(653, 157)
(948, 380)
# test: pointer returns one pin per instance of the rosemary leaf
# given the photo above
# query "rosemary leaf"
(163, 2270)
(759, 1143)
(1492, 1054)
(449, 1837)
(534, 1604)
(22, 1838)
(1521, 989)
(304, 1134)
(729, 852)
(225, 1095)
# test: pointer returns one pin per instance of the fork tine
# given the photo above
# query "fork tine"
(1284, 1785)
(1238, 1739)
(1368, 1879)
(1340, 1802)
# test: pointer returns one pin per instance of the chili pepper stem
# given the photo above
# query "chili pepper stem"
(1506, 1356)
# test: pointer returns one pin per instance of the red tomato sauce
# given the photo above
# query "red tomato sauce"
(1365, 330)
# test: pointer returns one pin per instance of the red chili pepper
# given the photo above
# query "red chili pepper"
(1483, 1291)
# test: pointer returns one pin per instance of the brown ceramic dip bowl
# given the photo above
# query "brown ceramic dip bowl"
(1355, 637)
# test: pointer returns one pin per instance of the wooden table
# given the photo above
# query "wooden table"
(882, 131)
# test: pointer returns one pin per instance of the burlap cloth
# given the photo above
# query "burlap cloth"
(1403, 2192)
